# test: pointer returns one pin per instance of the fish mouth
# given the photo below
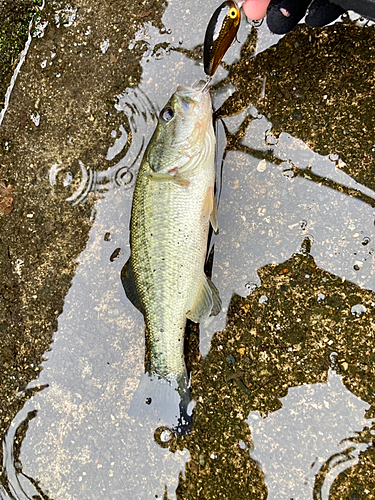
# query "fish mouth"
(196, 92)
(203, 85)
(188, 93)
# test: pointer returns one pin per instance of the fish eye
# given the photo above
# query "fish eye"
(167, 114)
(233, 13)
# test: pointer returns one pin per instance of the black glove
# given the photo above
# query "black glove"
(284, 15)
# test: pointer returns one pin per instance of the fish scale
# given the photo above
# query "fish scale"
(170, 272)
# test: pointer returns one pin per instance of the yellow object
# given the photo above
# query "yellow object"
(221, 31)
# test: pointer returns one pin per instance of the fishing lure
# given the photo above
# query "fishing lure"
(221, 31)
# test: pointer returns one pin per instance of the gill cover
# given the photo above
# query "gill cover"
(180, 133)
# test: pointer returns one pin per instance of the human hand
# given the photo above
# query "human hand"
(284, 15)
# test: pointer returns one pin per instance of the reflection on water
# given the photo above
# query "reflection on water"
(79, 441)
(82, 442)
(265, 214)
(307, 436)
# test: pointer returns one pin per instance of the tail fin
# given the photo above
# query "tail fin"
(185, 421)
(163, 402)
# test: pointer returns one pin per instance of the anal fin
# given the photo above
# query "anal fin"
(216, 307)
(207, 303)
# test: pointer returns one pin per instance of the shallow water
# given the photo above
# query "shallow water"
(321, 433)
(276, 193)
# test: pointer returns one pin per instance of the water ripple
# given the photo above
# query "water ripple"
(140, 114)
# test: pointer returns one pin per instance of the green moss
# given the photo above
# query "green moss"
(15, 17)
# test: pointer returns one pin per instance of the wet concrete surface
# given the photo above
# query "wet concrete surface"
(296, 236)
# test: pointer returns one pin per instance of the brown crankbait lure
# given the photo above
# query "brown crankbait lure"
(220, 33)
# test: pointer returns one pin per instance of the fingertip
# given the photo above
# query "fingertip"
(284, 15)
(255, 9)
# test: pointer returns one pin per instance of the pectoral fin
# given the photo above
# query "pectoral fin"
(127, 279)
(207, 303)
(216, 307)
(175, 179)
(210, 210)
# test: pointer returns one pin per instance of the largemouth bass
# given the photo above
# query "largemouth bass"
(173, 204)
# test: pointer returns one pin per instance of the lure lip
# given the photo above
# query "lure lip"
(205, 87)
